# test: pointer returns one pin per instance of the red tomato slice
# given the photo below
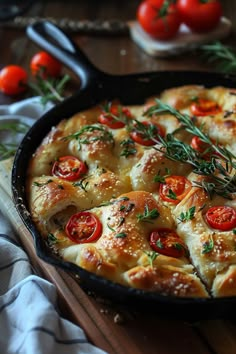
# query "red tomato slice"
(13, 80)
(203, 107)
(174, 189)
(83, 227)
(143, 138)
(222, 218)
(45, 65)
(167, 241)
(115, 117)
(69, 168)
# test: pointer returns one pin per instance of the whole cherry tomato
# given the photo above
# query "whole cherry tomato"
(159, 18)
(204, 107)
(45, 65)
(69, 168)
(115, 116)
(167, 241)
(13, 80)
(83, 227)
(174, 189)
(200, 15)
(146, 133)
(221, 217)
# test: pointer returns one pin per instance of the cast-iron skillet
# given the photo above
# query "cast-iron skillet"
(95, 86)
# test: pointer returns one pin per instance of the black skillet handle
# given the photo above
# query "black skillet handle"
(54, 41)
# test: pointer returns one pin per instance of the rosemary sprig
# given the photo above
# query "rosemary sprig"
(189, 125)
(51, 89)
(7, 150)
(15, 127)
(221, 180)
(224, 56)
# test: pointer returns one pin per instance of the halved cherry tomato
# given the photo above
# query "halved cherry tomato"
(159, 18)
(167, 241)
(174, 189)
(202, 147)
(142, 136)
(200, 15)
(69, 168)
(204, 107)
(13, 80)
(83, 227)
(45, 65)
(221, 217)
(115, 117)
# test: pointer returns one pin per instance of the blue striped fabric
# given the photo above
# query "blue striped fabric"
(29, 319)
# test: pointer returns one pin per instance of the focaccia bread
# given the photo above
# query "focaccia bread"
(144, 195)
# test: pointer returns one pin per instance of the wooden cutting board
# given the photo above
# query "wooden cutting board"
(109, 327)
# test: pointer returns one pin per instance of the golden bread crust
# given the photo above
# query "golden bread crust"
(122, 188)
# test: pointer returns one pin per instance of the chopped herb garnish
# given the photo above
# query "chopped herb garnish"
(152, 255)
(37, 184)
(208, 246)
(171, 195)
(128, 148)
(121, 235)
(188, 215)
(83, 184)
(159, 243)
(83, 136)
(148, 215)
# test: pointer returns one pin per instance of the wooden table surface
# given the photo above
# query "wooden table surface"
(117, 54)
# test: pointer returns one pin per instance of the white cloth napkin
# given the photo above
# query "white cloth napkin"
(30, 322)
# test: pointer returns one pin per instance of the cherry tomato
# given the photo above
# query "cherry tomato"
(200, 15)
(13, 80)
(167, 241)
(69, 168)
(45, 65)
(200, 146)
(115, 117)
(174, 189)
(221, 218)
(83, 227)
(142, 136)
(204, 107)
(159, 18)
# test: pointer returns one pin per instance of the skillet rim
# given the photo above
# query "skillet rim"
(175, 305)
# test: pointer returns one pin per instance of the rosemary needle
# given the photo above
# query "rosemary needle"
(224, 56)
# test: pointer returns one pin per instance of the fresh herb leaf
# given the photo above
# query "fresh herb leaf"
(121, 235)
(171, 194)
(208, 246)
(148, 215)
(152, 255)
(188, 215)
(38, 184)
(128, 148)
